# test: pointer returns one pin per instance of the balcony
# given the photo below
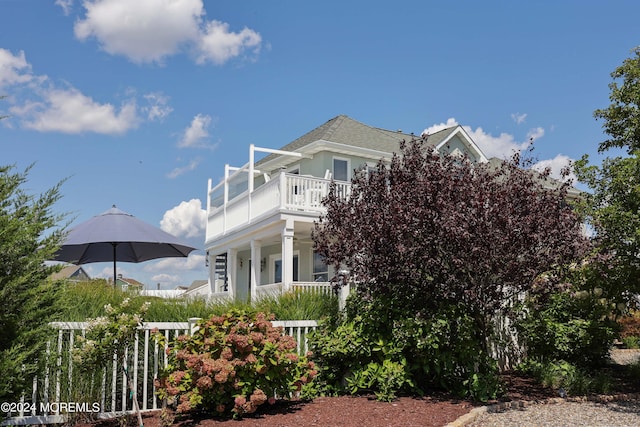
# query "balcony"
(285, 192)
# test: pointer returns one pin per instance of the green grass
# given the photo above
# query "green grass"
(87, 300)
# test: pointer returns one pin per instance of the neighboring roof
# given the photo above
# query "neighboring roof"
(552, 183)
(197, 284)
(70, 272)
(130, 282)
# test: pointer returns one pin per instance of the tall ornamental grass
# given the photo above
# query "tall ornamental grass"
(87, 300)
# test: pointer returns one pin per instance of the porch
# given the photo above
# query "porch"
(259, 228)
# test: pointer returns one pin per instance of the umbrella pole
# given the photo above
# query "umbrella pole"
(114, 264)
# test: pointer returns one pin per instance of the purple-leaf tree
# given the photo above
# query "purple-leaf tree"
(430, 229)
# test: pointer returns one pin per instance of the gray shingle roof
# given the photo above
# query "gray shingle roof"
(345, 130)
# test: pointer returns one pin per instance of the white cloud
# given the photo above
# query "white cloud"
(217, 44)
(171, 271)
(196, 133)
(451, 122)
(179, 171)
(14, 69)
(165, 279)
(519, 118)
(192, 263)
(151, 30)
(107, 271)
(158, 107)
(65, 5)
(556, 165)
(141, 30)
(501, 146)
(69, 111)
(187, 219)
(66, 109)
(504, 145)
(535, 133)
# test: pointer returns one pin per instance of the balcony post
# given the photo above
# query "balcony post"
(283, 189)
(250, 179)
(225, 198)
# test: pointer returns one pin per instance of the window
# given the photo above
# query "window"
(320, 269)
(340, 169)
(295, 170)
(276, 272)
(368, 168)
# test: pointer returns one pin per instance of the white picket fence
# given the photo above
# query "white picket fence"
(63, 387)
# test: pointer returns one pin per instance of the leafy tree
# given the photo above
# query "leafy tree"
(622, 117)
(613, 207)
(431, 229)
(439, 247)
(573, 323)
(28, 298)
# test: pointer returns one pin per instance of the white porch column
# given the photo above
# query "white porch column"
(232, 271)
(211, 261)
(287, 255)
(256, 256)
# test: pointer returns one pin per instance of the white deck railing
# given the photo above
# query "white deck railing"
(273, 289)
(62, 382)
(289, 192)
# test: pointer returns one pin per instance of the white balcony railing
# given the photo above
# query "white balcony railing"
(288, 192)
(273, 289)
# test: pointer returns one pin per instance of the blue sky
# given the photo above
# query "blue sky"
(139, 103)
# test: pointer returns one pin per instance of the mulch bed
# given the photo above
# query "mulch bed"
(344, 411)
(364, 411)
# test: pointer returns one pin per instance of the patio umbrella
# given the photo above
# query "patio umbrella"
(118, 236)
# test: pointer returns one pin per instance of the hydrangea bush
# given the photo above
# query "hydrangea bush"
(231, 365)
(109, 335)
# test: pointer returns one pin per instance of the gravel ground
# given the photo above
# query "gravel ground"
(606, 412)
(625, 356)
(565, 413)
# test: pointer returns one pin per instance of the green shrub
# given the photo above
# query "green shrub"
(232, 364)
(631, 341)
(562, 374)
(445, 351)
(634, 371)
(383, 379)
(374, 354)
(568, 326)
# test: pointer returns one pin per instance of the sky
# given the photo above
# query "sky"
(139, 103)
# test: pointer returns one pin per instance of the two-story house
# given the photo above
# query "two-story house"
(260, 216)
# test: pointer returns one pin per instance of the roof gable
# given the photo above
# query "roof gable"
(71, 272)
